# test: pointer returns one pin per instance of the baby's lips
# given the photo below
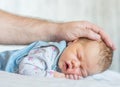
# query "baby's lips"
(64, 66)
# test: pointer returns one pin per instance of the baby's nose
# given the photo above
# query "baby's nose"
(75, 65)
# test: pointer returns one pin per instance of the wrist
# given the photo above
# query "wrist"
(58, 31)
(54, 31)
(59, 75)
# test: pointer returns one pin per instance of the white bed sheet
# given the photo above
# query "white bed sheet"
(10, 47)
(107, 79)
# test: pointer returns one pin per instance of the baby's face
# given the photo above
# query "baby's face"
(80, 58)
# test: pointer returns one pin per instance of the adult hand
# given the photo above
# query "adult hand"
(73, 30)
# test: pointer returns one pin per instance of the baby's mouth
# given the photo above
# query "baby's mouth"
(66, 66)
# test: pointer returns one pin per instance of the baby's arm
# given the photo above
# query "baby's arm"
(36, 67)
(33, 70)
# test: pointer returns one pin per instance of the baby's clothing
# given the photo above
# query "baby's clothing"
(37, 59)
(35, 62)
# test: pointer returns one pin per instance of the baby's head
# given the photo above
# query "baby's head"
(85, 57)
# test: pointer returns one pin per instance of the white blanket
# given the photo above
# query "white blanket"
(106, 79)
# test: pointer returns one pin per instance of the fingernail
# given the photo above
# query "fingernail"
(113, 47)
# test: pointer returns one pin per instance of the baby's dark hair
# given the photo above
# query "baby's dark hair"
(106, 55)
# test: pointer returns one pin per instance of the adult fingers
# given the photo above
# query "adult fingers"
(90, 34)
(106, 39)
(100, 31)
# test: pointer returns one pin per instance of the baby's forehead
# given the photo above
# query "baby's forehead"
(93, 43)
(91, 52)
